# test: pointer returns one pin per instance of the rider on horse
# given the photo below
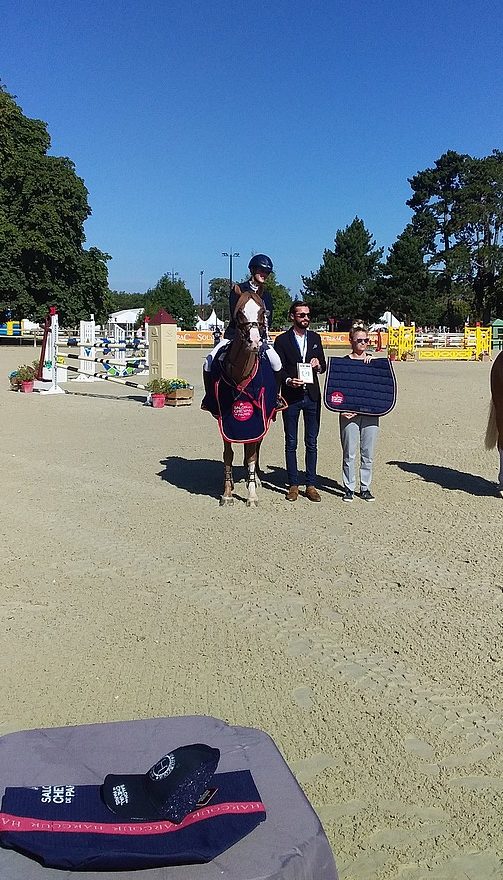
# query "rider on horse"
(260, 267)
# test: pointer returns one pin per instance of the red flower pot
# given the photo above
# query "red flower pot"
(158, 400)
(27, 387)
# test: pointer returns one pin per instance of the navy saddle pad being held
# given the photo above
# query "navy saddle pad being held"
(366, 389)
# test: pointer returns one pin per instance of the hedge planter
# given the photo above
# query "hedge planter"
(179, 397)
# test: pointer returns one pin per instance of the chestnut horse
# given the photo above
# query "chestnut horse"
(494, 432)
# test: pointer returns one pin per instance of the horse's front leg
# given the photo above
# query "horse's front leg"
(251, 481)
(226, 497)
(258, 473)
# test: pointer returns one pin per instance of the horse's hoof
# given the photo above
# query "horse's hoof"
(226, 500)
(251, 502)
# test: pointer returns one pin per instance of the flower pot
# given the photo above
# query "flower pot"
(393, 357)
(27, 387)
(157, 400)
(179, 397)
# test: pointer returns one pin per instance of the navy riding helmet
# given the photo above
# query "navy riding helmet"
(260, 261)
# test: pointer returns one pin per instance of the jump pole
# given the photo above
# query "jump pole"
(109, 379)
(77, 357)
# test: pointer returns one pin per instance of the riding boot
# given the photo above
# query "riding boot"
(206, 402)
(280, 403)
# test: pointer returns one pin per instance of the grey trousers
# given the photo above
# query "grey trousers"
(358, 430)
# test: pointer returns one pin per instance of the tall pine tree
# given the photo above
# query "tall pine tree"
(345, 286)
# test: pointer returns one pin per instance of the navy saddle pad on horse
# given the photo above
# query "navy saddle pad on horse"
(366, 389)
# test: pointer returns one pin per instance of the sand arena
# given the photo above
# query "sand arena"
(366, 639)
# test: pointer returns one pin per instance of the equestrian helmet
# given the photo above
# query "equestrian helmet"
(260, 261)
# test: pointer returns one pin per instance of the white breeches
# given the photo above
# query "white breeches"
(271, 354)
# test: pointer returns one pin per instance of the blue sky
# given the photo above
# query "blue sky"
(201, 126)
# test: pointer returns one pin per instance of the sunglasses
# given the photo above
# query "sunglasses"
(303, 315)
(362, 341)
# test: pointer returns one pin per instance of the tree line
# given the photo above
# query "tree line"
(445, 267)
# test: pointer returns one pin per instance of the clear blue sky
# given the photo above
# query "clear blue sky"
(261, 126)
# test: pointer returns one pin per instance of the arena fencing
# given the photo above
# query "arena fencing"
(53, 367)
(473, 344)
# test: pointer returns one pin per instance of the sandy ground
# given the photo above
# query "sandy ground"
(366, 639)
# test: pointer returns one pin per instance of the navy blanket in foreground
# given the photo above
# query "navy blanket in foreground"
(244, 412)
(366, 389)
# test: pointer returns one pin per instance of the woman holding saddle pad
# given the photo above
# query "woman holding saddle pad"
(358, 429)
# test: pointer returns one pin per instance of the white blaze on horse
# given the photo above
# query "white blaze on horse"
(494, 432)
(237, 402)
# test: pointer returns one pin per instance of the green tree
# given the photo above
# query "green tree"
(43, 207)
(345, 286)
(458, 212)
(175, 298)
(120, 299)
(218, 296)
(408, 287)
(281, 301)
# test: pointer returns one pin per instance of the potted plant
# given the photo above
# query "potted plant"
(178, 392)
(156, 393)
(393, 353)
(15, 381)
(26, 374)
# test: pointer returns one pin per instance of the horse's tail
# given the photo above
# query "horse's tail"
(492, 428)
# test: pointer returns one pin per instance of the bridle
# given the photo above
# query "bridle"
(243, 325)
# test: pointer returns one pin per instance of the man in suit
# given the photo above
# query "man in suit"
(301, 346)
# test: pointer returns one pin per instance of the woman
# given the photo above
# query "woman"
(358, 429)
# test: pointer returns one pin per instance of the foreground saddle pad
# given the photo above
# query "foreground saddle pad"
(70, 827)
(366, 389)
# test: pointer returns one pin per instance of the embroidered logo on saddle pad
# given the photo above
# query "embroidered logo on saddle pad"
(337, 397)
(242, 410)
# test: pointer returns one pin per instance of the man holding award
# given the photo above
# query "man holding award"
(302, 360)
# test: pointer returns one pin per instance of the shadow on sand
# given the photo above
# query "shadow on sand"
(276, 478)
(122, 397)
(204, 476)
(200, 476)
(447, 478)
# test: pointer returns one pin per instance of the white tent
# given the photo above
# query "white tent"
(125, 316)
(210, 323)
(385, 321)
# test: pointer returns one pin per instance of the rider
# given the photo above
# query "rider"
(260, 267)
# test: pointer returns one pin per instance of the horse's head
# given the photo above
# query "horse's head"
(250, 322)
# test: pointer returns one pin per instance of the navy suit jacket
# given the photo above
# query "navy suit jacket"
(290, 355)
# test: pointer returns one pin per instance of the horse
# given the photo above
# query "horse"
(233, 371)
(494, 431)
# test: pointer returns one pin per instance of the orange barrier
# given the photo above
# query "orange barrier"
(204, 339)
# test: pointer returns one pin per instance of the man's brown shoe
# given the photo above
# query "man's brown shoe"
(293, 493)
(313, 494)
